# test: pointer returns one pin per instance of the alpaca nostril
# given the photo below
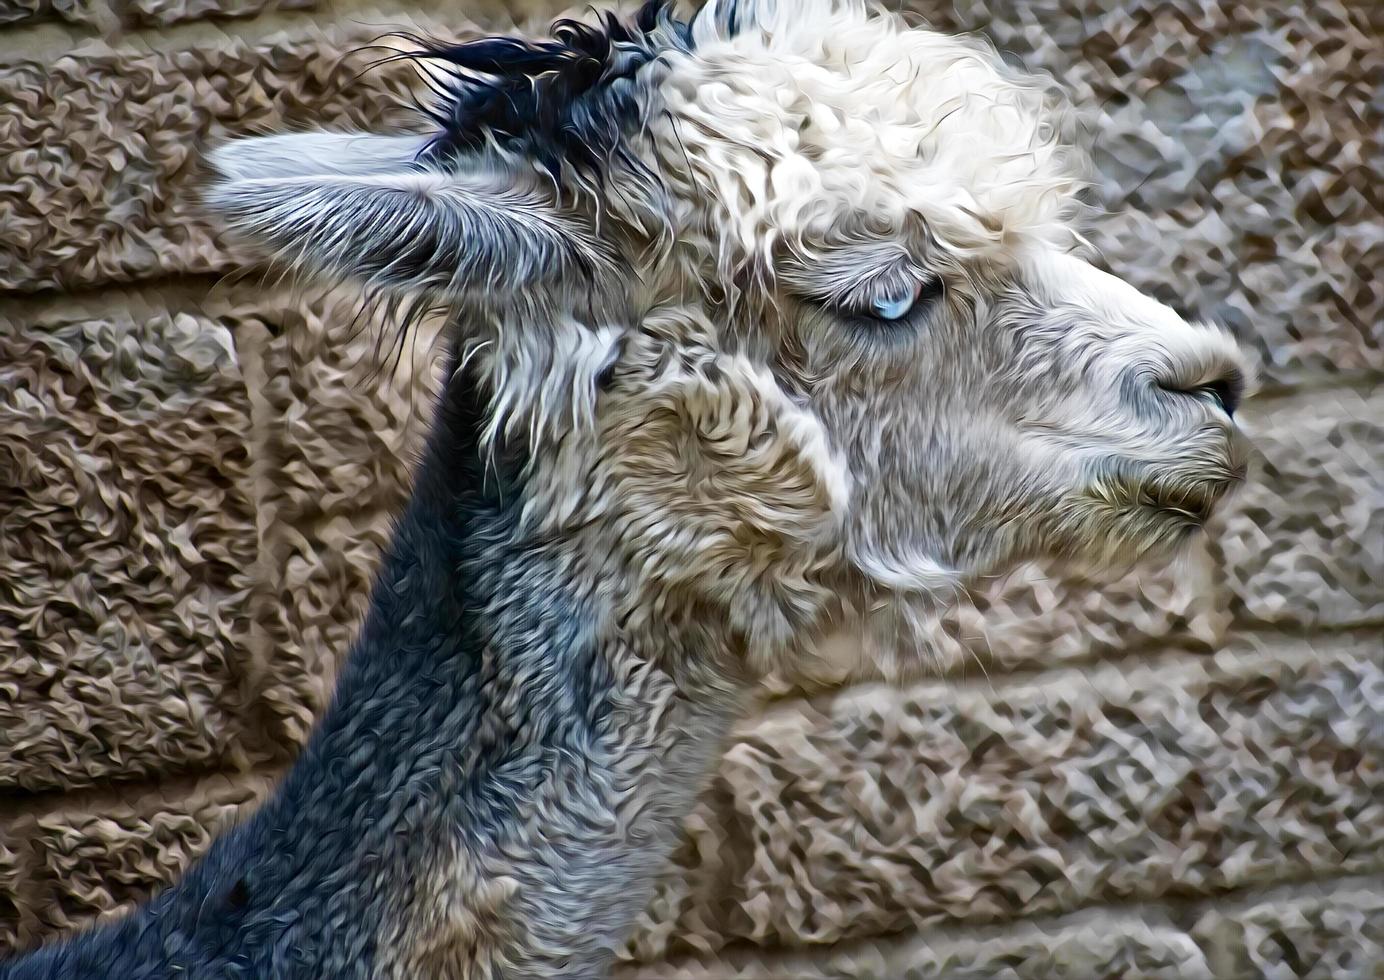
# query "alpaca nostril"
(1227, 391)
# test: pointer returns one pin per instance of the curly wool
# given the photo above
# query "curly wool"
(836, 105)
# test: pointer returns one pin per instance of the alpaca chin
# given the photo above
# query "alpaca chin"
(906, 574)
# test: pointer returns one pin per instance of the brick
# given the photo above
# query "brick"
(1330, 930)
(1037, 618)
(1100, 943)
(92, 859)
(113, 15)
(162, 13)
(342, 425)
(12, 904)
(1333, 928)
(126, 536)
(1237, 151)
(92, 12)
(1303, 545)
(169, 480)
(105, 148)
(880, 810)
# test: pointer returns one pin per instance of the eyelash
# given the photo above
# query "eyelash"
(865, 308)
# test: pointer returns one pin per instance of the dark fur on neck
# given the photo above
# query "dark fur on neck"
(458, 811)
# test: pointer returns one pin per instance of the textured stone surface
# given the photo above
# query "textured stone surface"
(1334, 931)
(339, 434)
(1303, 545)
(126, 529)
(1035, 618)
(12, 877)
(103, 147)
(95, 857)
(161, 13)
(1120, 944)
(74, 11)
(112, 15)
(882, 809)
(142, 627)
(1238, 153)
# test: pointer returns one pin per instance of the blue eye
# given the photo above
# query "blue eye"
(896, 307)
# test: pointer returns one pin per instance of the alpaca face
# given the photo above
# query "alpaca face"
(786, 307)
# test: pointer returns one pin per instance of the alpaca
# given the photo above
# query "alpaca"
(770, 330)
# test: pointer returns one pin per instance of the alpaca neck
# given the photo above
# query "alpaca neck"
(491, 792)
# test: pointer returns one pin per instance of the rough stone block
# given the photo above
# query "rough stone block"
(110, 16)
(12, 905)
(90, 859)
(1303, 545)
(1035, 618)
(1327, 930)
(127, 533)
(1237, 152)
(1096, 943)
(881, 810)
(162, 13)
(103, 148)
(1332, 928)
(341, 425)
(94, 12)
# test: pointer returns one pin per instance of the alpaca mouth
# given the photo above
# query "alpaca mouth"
(1195, 503)
(1189, 502)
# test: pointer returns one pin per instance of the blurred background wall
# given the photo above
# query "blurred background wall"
(1177, 774)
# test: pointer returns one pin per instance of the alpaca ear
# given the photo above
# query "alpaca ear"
(307, 154)
(755, 540)
(364, 208)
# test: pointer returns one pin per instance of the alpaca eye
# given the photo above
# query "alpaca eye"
(903, 299)
(889, 297)
(897, 306)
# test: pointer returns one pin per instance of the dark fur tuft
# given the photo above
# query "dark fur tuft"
(567, 102)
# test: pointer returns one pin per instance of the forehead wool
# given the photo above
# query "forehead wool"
(775, 123)
(833, 111)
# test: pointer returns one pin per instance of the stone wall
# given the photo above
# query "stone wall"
(1177, 774)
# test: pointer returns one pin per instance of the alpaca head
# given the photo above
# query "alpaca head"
(785, 306)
